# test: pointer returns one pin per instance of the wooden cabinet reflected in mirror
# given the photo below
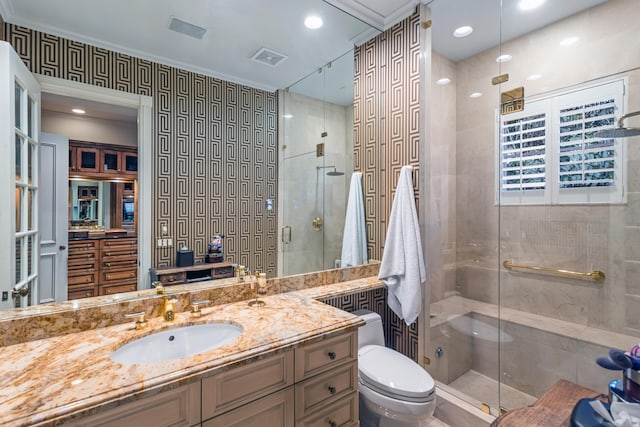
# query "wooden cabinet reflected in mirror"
(103, 214)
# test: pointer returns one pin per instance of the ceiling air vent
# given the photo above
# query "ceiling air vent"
(269, 57)
(183, 27)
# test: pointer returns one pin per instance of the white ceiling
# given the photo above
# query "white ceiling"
(64, 104)
(236, 30)
(489, 29)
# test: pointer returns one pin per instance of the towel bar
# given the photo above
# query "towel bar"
(594, 275)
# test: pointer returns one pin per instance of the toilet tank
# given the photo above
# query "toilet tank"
(371, 332)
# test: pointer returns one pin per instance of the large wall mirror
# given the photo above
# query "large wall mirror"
(315, 108)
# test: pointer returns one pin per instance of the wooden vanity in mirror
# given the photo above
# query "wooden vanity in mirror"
(103, 243)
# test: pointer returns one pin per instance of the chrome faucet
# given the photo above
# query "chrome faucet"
(169, 313)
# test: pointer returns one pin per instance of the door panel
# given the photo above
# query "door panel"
(53, 218)
(19, 155)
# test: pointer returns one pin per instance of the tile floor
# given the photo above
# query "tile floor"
(485, 390)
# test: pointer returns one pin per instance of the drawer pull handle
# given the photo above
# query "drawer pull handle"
(89, 293)
(332, 390)
(332, 355)
(333, 423)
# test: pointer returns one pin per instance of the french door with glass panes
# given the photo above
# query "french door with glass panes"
(19, 155)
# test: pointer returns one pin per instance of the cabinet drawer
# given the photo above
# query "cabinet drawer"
(85, 278)
(112, 276)
(233, 388)
(222, 272)
(119, 254)
(179, 407)
(172, 279)
(315, 358)
(118, 288)
(273, 410)
(317, 392)
(126, 264)
(84, 255)
(119, 244)
(85, 267)
(83, 245)
(344, 412)
(76, 292)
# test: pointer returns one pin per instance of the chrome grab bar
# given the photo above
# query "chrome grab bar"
(594, 275)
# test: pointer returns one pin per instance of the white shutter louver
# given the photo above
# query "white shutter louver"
(587, 161)
(523, 146)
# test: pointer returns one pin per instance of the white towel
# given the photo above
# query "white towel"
(402, 268)
(354, 238)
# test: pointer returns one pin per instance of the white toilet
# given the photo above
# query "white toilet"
(394, 390)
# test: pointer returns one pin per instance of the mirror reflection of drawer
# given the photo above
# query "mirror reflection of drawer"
(82, 246)
(110, 276)
(120, 244)
(79, 266)
(83, 255)
(119, 264)
(87, 278)
(173, 279)
(76, 292)
(118, 288)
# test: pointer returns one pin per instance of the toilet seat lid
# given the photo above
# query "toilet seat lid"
(393, 374)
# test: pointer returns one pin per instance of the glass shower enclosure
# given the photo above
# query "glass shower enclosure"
(533, 213)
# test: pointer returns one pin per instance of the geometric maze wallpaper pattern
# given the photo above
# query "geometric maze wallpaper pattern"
(214, 146)
(386, 121)
(386, 137)
(396, 334)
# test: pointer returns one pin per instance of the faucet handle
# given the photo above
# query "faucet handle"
(141, 321)
(159, 287)
(195, 307)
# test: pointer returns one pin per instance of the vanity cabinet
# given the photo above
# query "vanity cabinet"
(102, 267)
(82, 268)
(312, 385)
(326, 375)
(179, 407)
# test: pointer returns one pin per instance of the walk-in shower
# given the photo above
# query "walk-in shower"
(547, 184)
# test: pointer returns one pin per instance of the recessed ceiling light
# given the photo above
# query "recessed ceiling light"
(313, 22)
(534, 77)
(504, 58)
(443, 81)
(530, 4)
(463, 31)
(78, 111)
(569, 41)
(475, 95)
(288, 116)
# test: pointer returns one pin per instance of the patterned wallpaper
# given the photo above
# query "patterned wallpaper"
(214, 145)
(386, 137)
(386, 121)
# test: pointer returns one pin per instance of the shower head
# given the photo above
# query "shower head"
(617, 133)
(620, 131)
(331, 173)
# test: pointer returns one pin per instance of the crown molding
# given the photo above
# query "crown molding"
(370, 11)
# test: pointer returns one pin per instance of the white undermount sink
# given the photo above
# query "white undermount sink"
(176, 343)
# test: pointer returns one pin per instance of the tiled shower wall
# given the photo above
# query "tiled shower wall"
(386, 137)
(571, 237)
(214, 145)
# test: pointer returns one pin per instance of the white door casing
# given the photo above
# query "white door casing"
(143, 104)
(54, 178)
(19, 154)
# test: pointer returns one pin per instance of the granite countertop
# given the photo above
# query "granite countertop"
(42, 382)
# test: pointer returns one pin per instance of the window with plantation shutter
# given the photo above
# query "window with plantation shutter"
(550, 153)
